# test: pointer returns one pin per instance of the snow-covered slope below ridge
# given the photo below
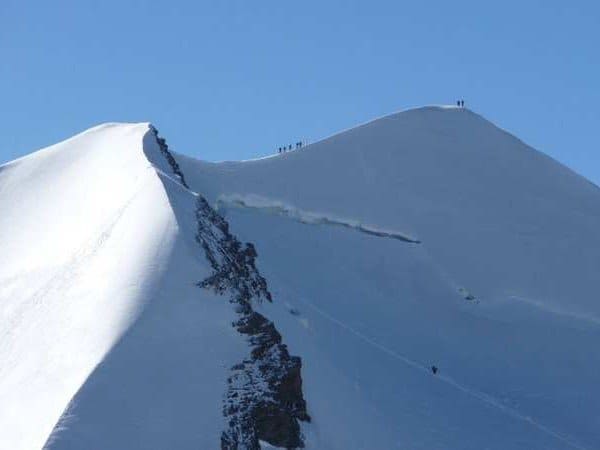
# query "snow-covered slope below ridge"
(108, 341)
(500, 293)
(83, 225)
(428, 237)
(469, 190)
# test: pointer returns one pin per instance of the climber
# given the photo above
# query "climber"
(434, 369)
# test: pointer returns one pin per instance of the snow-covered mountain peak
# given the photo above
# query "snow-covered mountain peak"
(105, 249)
(507, 234)
(82, 222)
(355, 293)
(76, 183)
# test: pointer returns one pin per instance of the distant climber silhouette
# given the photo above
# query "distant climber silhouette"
(434, 369)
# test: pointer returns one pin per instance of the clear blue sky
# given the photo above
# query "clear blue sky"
(236, 79)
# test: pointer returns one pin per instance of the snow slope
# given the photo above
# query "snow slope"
(425, 238)
(98, 299)
(501, 293)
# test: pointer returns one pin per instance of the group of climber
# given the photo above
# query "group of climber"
(287, 148)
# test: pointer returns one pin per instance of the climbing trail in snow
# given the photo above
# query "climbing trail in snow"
(278, 208)
(62, 275)
(275, 207)
(485, 398)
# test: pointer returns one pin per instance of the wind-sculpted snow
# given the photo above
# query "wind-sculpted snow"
(276, 207)
(81, 224)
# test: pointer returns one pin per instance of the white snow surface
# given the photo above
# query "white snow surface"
(97, 298)
(426, 238)
(309, 217)
(501, 293)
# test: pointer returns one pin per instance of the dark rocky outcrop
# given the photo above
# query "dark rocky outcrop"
(164, 149)
(264, 400)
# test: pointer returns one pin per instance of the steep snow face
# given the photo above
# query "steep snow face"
(83, 225)
(102, 319)
(127, 307)
(496, 284)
